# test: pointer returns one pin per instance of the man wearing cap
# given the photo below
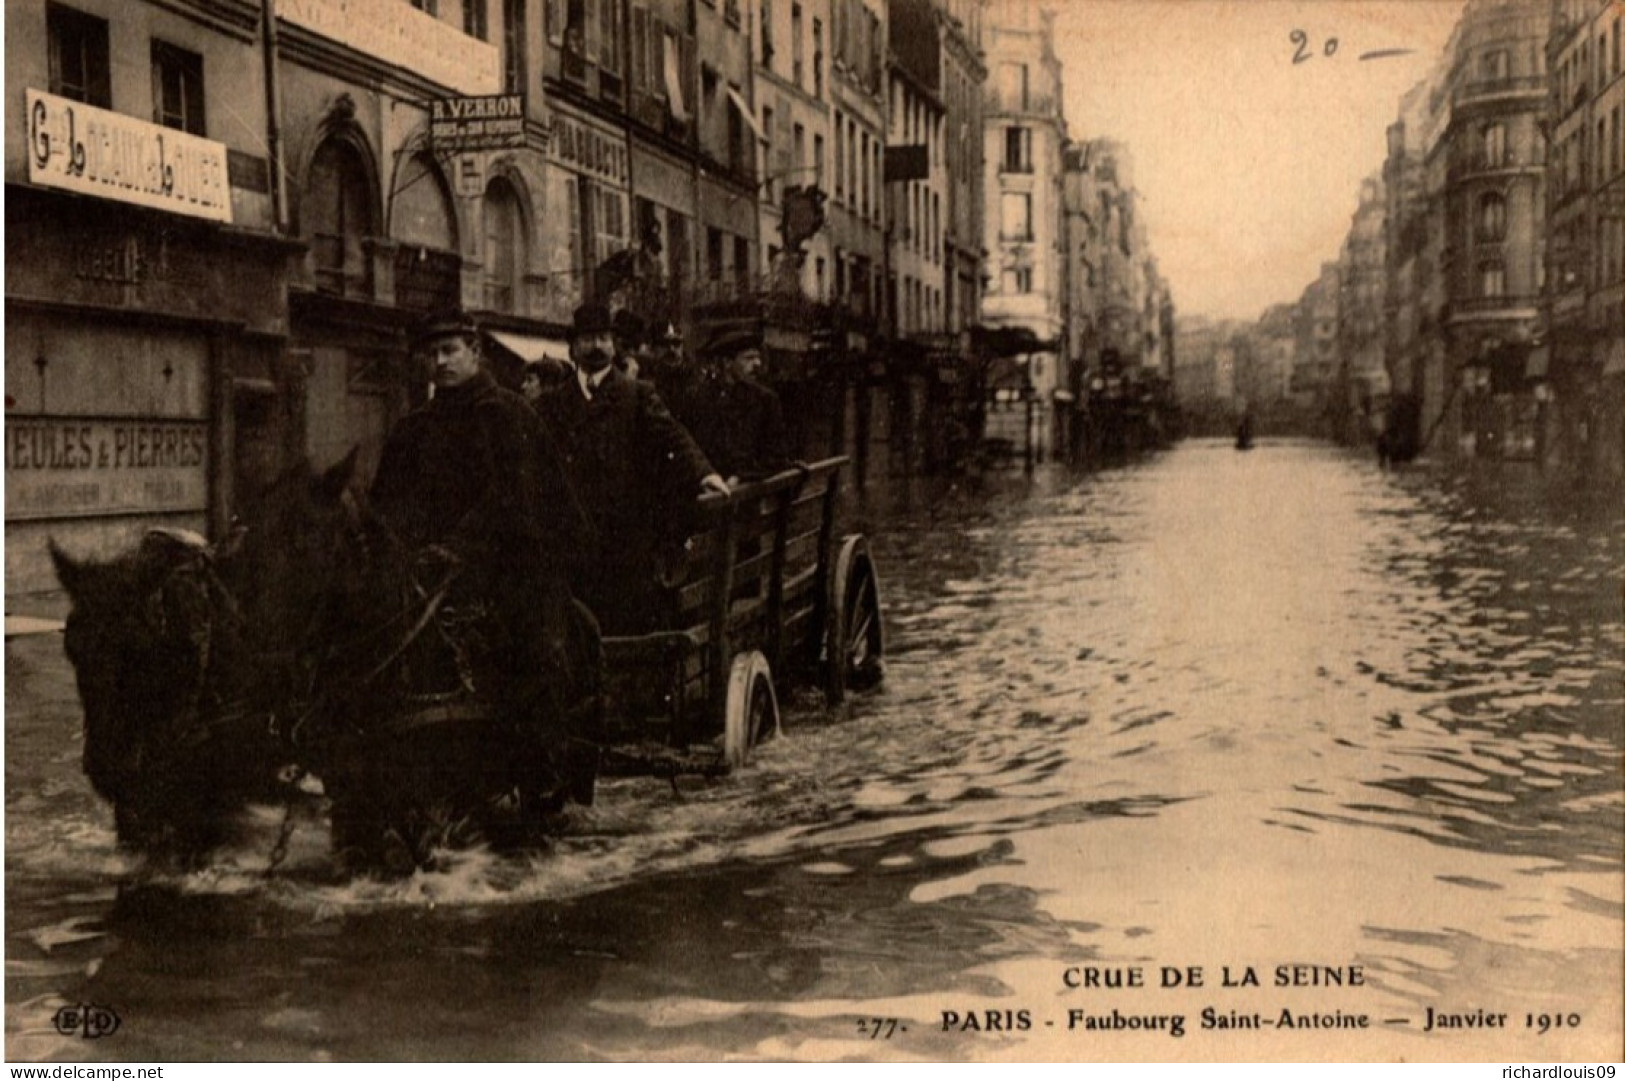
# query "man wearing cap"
(743, 432)
(637, 470)
(472, 482)
(678, 380)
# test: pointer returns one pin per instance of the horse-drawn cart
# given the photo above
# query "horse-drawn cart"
(205, 690)
(764, 596)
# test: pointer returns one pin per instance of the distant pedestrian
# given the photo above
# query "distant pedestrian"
(542, 375)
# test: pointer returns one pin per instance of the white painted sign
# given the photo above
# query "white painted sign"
(401, 34)
(80, 148)
(69, 467)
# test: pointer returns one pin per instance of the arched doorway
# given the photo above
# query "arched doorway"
(428, 268)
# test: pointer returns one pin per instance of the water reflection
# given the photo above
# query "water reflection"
(1213, 709)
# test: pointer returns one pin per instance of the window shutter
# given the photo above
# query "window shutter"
(634, 75)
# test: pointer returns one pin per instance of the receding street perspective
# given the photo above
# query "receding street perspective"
(815, 530)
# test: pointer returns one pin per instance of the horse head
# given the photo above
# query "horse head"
(139, 635)
(296, 546)
(177, 633)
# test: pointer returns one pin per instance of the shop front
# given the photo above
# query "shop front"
(133, 318)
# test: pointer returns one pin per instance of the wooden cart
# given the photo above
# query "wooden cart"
(767, 597)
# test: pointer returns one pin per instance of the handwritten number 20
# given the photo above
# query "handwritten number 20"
(1301, 40)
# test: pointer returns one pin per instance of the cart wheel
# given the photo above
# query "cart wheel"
(856, 642)
(753, 708)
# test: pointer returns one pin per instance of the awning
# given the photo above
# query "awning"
(745, 113)
(1614, 359)
(1536, 364)
(528, 348)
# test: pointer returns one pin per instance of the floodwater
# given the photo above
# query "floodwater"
(1276, 715)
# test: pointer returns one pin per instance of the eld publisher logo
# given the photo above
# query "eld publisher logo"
(89, 1022)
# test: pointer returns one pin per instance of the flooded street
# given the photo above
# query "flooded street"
(1213, 710)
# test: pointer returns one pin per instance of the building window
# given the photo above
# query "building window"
(1492, 279)
(177, 89)
(336, 215)
(1492, 217)
(475, 19)
(819, 270)
(431, 7)
(1493, 65)
(818, 159)
(767, 34)
(611, 36)
(840, 158)
(713, 254)
(796, 65)
(1495, 146)
(513, 46)
(798, 146)
(741, 155)
(1017, 280)
(818, 57)
(1013, 86)
(504, 246)
(575, 40)
(611, 207)
(1016, 216)
(78, 56)
(1018, 150)
(742, 260)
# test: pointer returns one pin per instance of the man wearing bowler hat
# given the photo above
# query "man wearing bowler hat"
(636, 469)
(473, 483)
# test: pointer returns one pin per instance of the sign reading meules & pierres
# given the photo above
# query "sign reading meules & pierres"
(64, 467)
(80, 148)
(492, 122)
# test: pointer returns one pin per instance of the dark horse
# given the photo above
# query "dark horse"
(190, 668)
(314, 640)
(425, 724)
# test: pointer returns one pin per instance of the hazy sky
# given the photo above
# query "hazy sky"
(1248, 164)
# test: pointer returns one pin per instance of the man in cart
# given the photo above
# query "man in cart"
(637, 470)
(743, 428)
(474, 485)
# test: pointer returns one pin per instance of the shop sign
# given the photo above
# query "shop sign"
(73, 467)
(491, 122)
(80, 148)
(404, 36)
(588, 150)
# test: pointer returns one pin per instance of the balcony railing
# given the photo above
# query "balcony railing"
(1489, 305)
(1505, 87)
(1475, 164)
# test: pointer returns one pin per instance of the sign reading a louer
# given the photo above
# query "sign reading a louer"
(490, 122)
(80, 148)
(74, 467)
(402, 35)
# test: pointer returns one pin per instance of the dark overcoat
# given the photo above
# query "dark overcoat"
(476, 472)
(637, 472)
(742, 428)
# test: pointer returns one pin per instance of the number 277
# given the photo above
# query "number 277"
(878, 1028)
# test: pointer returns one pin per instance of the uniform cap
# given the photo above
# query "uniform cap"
(442, 323)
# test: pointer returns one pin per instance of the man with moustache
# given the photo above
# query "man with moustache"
(637, 470)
